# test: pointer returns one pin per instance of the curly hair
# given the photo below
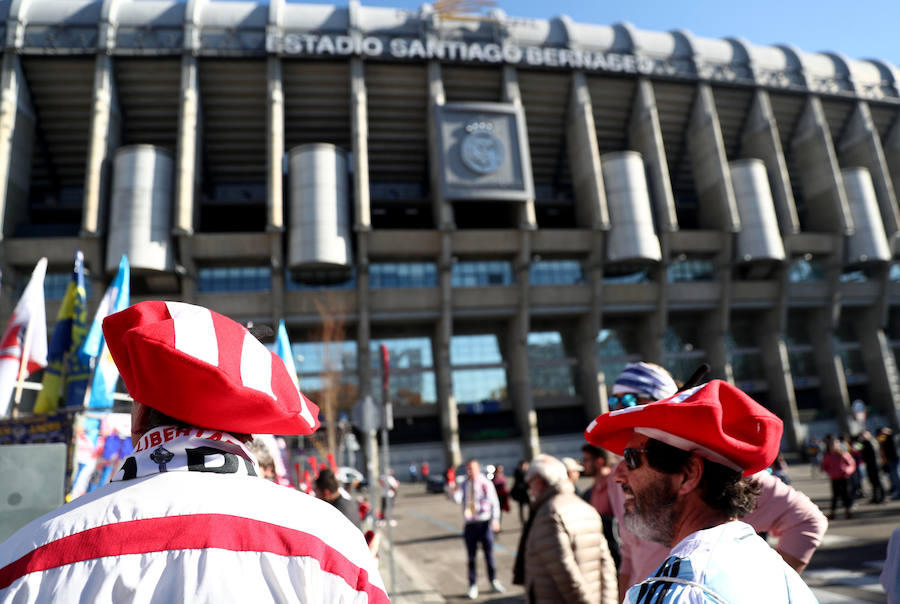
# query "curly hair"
(721, 488)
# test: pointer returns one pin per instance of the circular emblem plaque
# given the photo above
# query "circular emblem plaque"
(482, 152)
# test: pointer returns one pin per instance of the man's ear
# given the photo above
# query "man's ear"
(691, 475)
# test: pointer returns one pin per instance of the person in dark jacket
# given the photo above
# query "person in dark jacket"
(868, 451)
(519, 492)
(329, 489)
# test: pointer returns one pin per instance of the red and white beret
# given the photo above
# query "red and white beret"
(716, 420)
(205, 369)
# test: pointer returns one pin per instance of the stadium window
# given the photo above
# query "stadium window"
(478, 371)
(550, 368)
(216, 279)
(56, 284)
(483, 273)
(806, 269)
(556, 272)
(687, 269)
(402, 274)
(412, 380)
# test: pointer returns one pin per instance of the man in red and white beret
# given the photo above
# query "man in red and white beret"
(684, 469)
(188, 518)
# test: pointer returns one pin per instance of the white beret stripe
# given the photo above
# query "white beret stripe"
(194, 331)
(256, 365)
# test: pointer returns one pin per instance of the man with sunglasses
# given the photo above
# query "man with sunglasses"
(783, 512)
(684, 473)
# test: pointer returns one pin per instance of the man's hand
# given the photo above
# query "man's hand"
(495, 526)
(796, 563)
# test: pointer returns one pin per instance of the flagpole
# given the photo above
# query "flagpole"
(23, 365)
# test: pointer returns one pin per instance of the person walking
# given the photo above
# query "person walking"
(838, 464)
(519, 491)
(500, 485)
(890, 459)
(481, 518)
(562, 556)
(868, 448)
(188, 517)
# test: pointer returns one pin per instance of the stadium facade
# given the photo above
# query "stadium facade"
(515, 207)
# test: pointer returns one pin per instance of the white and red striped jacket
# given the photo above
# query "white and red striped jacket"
(191, 536)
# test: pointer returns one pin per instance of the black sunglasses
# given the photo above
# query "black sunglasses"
(629, 399)
(632, 458)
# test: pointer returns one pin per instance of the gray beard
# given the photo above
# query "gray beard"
(657, 526)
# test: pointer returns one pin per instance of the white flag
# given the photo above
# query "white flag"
(29, 312)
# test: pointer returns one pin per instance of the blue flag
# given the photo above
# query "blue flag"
(65, 369)
(283, 350)
(116, 298)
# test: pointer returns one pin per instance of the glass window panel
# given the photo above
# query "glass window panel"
(405, 353)
(556, 272)
(893, 324)
(478, 385)
(894, 274)
(402, 274)
(481, 273)
(233, 279)
(409, 387)
(691, 269)
(545, 345)
(621, 339)
(683, 365)
(797, 332)
(854, 365)
(806, 269)
(551, 380)
(474, 349)
(802, 362)
(845, 331)
(318, 357)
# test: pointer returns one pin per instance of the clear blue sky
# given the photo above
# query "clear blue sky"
(861, 29)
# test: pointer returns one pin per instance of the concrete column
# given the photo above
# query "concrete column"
(443, 333)
(591, 381)
(443, 211)
(833, 389)
(860, 145)
(717, 322)
(188, 148)
(645, 136)
(712, 177)
(881, 366)
(512, 94)
(274, 146)
(17, 131)
(760, 139)
(820, 174)
(584, 158)
(891, 150)
(276, 266)
(776, 365)
(105, 136)
(360, 143)
(518, 375)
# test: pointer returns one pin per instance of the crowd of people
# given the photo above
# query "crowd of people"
(682, 483)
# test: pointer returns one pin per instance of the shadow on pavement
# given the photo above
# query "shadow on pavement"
(454, 536)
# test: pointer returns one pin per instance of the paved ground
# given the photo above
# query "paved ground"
(430, 559)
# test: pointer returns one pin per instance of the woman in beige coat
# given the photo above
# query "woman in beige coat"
(563, 555)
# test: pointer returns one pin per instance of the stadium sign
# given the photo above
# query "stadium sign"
(314, 45)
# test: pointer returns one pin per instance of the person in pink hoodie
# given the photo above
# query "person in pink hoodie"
(782, 511)
(838, 463)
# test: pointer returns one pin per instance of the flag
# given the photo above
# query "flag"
(283, 349)
(116, 298)
(29, 311)
(63, 360)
